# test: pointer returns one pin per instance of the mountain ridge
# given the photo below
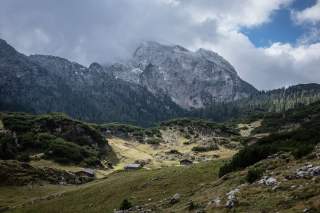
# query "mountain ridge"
(41, 84)
(134, 92)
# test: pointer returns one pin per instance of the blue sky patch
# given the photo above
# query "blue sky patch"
(281, 28)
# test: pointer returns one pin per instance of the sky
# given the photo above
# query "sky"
(271, 43)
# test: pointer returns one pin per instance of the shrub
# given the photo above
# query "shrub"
(64, 152)
(8, 149)
(173, 152)
(125, 205)
(24, 157)
(92, 161)
(300, 142)
(212, 147)
(187, 136)
(254, 174)
(246, 157)
(44, 139)
(153, 141)
(18, 122)
(302, 151)
(27, 140)
(192, 206)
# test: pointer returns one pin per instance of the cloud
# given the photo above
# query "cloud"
(309, 15)
(271, 67)
(233, 14)
(310, 37)
(109, 30)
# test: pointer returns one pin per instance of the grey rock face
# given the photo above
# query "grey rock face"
(191, 79)
(153, 86)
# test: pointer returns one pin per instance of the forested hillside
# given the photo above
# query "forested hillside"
(278, 100)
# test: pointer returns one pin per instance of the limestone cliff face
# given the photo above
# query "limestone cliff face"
(191, 79)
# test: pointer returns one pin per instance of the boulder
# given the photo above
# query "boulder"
(231, 198)
(268, 181)
(307, 171)
(175, 198)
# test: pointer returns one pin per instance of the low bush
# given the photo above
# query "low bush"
(193, 206)
(24, 157)
(18, 122)
(61, 138)
(92, 161)
(209, 148)
(153, 141)
(299, 142)
(125, 205)
(302, 151)
(66, 152)
(173, 152)
(246, 157)
(254, 174)
(8, 148)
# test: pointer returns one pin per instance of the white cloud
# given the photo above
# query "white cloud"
(279, 65)
(170, 2)
(311, 14)
(107, 30)
(232, 13)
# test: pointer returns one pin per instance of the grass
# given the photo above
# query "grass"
(17, 196)
(100, 173)
(259, 198)
(130, 151)
(198, 183)
(246, 129)
(138, 186)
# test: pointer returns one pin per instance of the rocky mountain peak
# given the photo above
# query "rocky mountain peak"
(191, 79)
(215, 58)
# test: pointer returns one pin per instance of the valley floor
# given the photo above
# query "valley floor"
(157, 156)
(198, 186)
(105, 195)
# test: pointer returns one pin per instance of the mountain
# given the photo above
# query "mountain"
(158, 83)
(41, 84)
(190, 79)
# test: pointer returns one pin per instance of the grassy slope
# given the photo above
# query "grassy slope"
(130, 151)
(137, 186)
(290, 195)
(12, 196)
(198, 183)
